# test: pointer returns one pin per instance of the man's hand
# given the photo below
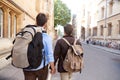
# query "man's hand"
(52, 68)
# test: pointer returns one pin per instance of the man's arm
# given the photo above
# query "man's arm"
(50, 55)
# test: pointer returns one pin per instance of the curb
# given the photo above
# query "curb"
(117, 52)
(3, 61)
(2, 52)
(3, 55)
(103, 48)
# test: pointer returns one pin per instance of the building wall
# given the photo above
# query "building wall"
(28, 6)
(50, 12)
(97, 15)
(15, 14)
(88, 18)
(115, 27)
(109, 18)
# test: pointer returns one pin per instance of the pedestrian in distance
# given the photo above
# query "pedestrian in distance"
(61, 49)
(41, 72)
(87, 41)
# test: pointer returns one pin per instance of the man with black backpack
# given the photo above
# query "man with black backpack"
(41, 71)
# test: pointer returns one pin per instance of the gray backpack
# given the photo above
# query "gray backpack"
(27, 48)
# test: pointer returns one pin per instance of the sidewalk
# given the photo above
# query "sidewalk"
(11, 73)
(114, 51)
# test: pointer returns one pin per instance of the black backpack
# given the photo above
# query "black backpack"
(30, 54)
(35, 54)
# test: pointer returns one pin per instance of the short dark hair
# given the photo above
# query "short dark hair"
(68, 29)
(41, 19)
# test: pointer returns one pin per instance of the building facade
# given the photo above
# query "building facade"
(16, 14)
(87, 20)
(109, 20)
(74, 26)
(101, 20)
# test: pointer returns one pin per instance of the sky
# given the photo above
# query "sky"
(73, 5)
(76, 6)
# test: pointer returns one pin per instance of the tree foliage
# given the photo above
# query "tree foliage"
(62, 14)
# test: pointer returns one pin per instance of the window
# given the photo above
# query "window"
(9, 25)
(15, 25)
(89, 32)
(84, 12)
(119, 26)
(1, 23)
(89, 18)
(103, 10)
(109, 29)
(95, 31)
(9, 20)
(101, 30)
(110, 7)
(38, 5)
(46, 7)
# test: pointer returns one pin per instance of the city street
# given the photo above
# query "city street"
(98, 65)
(94, 22)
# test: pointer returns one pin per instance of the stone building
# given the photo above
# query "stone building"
(101, 20)
(108, 26)
(86, 19)
(15, 14)
(91, 19)
(74, 26)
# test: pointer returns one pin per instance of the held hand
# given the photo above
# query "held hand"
(53, 70)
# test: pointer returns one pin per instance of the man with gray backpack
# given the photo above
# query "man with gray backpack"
(32, 50)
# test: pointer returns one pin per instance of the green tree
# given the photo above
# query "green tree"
(62, 14)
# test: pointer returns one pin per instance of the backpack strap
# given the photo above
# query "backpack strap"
(71, 45)
(66, 41)
(34, 30)
(75, 41)
(27, 29)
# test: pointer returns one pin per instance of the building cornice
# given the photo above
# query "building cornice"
(109, 17)
(17, 6)
(100, 2)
